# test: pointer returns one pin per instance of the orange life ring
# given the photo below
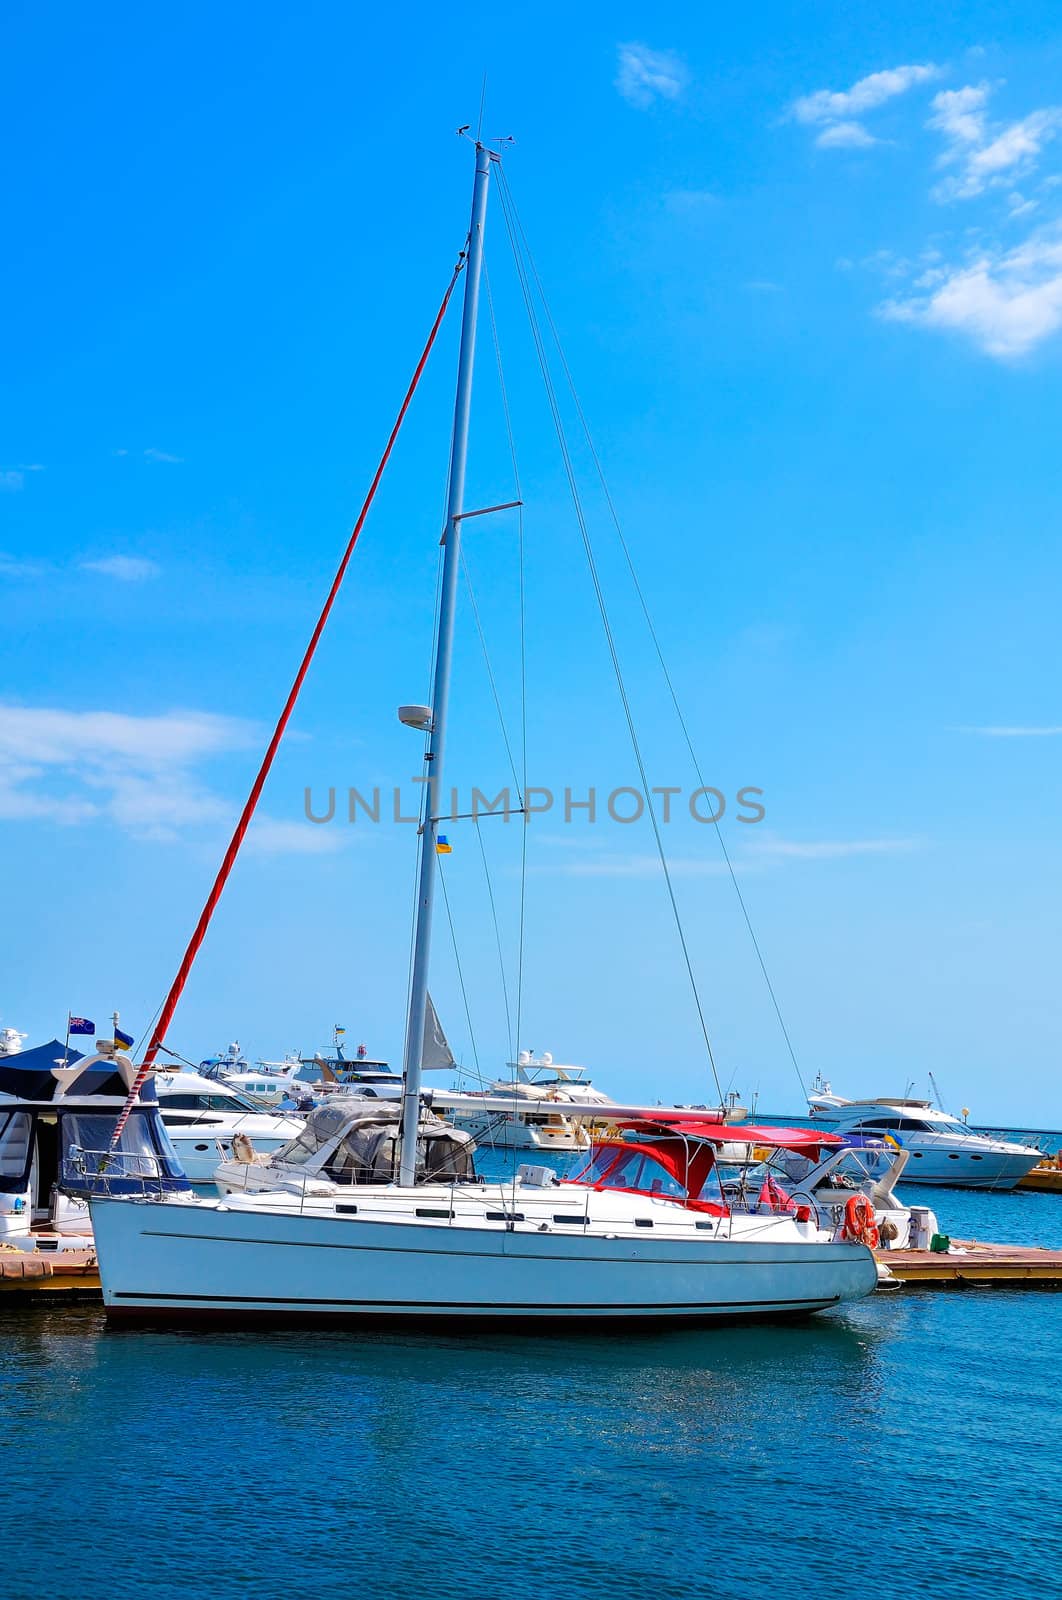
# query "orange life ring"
(859, 1223)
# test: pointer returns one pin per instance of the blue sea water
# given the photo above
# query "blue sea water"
(906, 1446)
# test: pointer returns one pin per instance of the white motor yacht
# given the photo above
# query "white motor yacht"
(527, 1111)
(331, 1070)
(941, 1149)
(267, 1082)
(202, 1115)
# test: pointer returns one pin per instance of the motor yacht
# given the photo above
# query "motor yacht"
(328, 1070)
(54, 1101)
(203, 1115)
(267, 1082)
(942, 1149)
(526, 1111)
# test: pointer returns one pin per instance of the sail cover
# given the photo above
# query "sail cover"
(436, 1055)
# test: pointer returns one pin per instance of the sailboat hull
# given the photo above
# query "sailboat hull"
(205, 1263)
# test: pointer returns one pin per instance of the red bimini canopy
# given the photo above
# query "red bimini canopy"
(804, 1140)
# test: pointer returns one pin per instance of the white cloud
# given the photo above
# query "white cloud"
(832, 849)
(646, 75)
(1048, 732)
(127, 569)
(158, 455)
(986, 156)
(839, 110)
(274, 836)
(845, 136)
(959, 114)
(646, 866)
(20, 803)
(15, 567)
(135, 771)
(48, 736)
(690, 201)
(1007, 302)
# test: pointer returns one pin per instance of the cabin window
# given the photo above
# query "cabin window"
(16, 1134)
(198, 1102)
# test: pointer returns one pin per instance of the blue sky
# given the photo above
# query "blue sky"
(808, 272)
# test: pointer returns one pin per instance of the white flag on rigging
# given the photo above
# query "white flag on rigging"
(436, 1055)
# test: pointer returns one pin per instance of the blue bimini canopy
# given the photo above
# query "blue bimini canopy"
(28, 1075)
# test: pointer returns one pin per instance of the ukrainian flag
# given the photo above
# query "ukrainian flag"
(443, 847)
(122, 1041)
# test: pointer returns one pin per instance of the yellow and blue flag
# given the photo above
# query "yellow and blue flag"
(443, 847)
(122, 1041)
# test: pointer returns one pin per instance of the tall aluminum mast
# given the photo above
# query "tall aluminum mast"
(433, 761)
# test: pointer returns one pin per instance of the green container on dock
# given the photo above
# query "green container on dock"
(940, 1243)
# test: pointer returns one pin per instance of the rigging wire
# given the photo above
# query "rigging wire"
(172, 999)
(497, 934)
(654, 636)
(522, 784)
(490, 672)
(460, 972)
(551, 395)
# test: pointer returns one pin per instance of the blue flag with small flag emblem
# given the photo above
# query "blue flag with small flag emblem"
(80, 1024)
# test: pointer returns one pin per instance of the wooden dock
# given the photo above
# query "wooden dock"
(971, 1262)
(37, 1275)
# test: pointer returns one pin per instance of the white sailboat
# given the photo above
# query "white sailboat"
(644, 1235)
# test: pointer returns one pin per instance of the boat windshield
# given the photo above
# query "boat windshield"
(143, 1160)
(671, 1170)
(636, 1169)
